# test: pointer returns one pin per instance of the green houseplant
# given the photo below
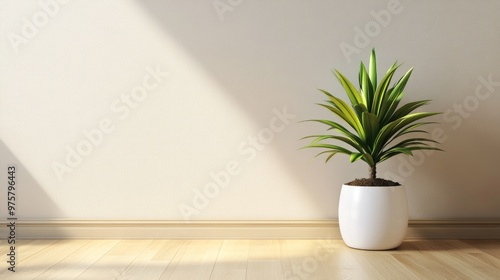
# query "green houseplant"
(376, 129)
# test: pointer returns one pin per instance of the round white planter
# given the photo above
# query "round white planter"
(373, 218)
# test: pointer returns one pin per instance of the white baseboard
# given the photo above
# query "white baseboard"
(324, 229)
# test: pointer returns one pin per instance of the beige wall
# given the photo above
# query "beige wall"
(142, 110)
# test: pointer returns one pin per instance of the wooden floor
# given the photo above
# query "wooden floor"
(249, 259)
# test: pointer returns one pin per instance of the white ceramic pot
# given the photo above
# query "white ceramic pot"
(373, 218)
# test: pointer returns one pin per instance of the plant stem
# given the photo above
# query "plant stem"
(373, 172)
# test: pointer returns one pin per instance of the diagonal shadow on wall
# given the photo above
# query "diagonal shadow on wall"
(254, 68)
(30, 195)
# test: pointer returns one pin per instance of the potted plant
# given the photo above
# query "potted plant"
(373, 212)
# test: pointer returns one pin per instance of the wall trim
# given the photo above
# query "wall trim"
(312, 229)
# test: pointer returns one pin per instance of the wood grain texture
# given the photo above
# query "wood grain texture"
(250, 259)
(264, 260)
(41, 256)
(197, 261)
(115, 261)
(231, 263)
(76, 263)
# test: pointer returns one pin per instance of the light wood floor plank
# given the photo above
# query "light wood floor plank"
(491, 247)
(487, 259)
(5, 247)
(151, 263)
(115, 261)
(250, 259)
(76, 263)
(175, 261)
(457, 254)
(42, 257)
(197, 261)
(303, 264)
(422, 263)
(386, 265)
(344, 263)
(264, 260)
(286, 264)
(231, 263)
(26, 249)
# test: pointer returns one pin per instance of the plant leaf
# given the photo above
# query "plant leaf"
(349, 88)
(381, 95)
(395, 97)
(371, 126)
(346, 113)
(330, 147)
(355, 156)
(373, 69)
(388, 131)
(366, 87)
(407, 109)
